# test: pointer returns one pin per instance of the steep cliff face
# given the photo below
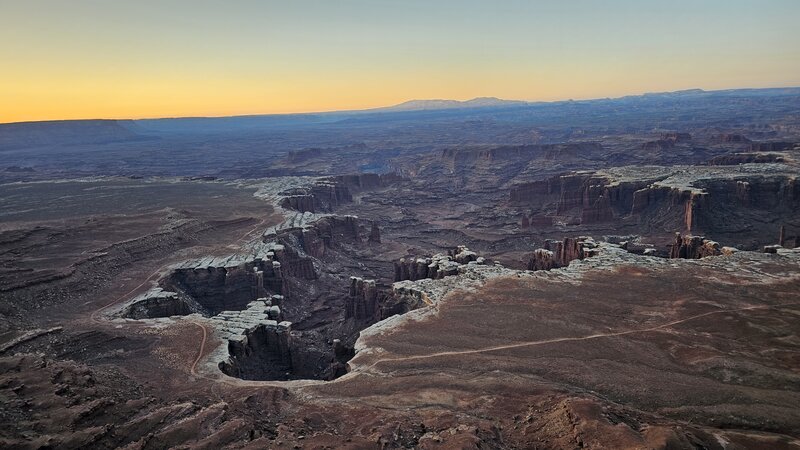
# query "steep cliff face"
(262, 346)
(693, 247)
(322, 196)
(435, 267)
(480, 167)
(333, 231)
(746, 158)
(365, 181)
(676, 137)
(159, 303)
(669, 207)
(220, 284)
(743, 200)
(465, 157)
(730, 138)
(774, 146)
(325, 194)
(249, 296)
(362, 301)
(261, 353)
(557, 254)
(590, 197)
(542, 259)
(748, 211)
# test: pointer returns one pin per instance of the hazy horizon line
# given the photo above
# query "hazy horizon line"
(376, 108)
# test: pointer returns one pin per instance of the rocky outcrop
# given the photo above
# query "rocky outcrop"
(259, 347)
(676, 137)
(158, 303)
(363, 181)
(219, 284)
(739, 202)
(535, 221)
(362, 300)
(434, 267)
(746, 158)
(666, 141)
(322, 196)
(673, 206)
(542, 259)
(262, 346)
(658, 145)
(693, 247)
(325, 194)
(774, 146)
(374, 234)
(462, 255)
(593, 198)
(557, 254)
(467, 156)
(331, 231)
(730, 138)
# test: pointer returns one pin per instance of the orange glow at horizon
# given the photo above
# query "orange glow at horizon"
(91, 59)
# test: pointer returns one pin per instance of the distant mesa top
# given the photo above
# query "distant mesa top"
(435, 104)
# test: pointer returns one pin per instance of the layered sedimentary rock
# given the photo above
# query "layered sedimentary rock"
(731, 138)
(676, 137)
(693, 247)
(542, 259)
(673, 206)
(258, 347)
(436, 266)
(322, 196)
(746, 158)
(362, 181)
(691, 199)
(461, 156)
(325, 194)
(330, 231)
(159, 303)
(658, 145)
(219, 284)
(775, 146)
(362, 300)
(557, 254)
(597, 197)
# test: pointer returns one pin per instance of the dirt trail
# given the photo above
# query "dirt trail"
(201, 350)
(571, 339)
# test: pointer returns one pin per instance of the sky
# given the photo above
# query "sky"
(71, 59)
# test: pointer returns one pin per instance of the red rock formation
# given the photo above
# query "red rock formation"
(661, 200)
(693, 247)
(542, 260)
(561, 253)
(362, 301)
(435, 267)
(597, 198)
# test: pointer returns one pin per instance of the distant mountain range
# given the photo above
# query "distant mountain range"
(90, 132)
(420, 105)
(436, 104)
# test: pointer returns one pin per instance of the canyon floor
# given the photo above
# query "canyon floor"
(548, 278)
